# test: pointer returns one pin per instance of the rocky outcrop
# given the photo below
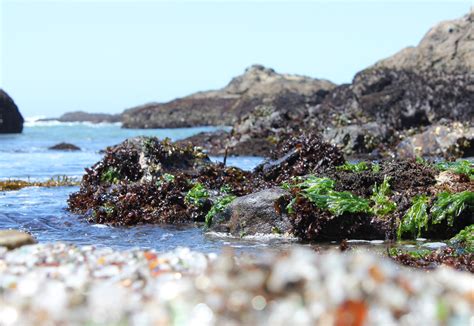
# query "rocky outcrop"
(448, 47)
(224, 106)
(449, 141)
(81, 116)
(384, 104)
(371, 115)
(11, 120)
(261, 212)
(64, 147)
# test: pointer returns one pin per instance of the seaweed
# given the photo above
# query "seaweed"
(427, 259)
(342, 202)
(416, 218)
(459, 167)
(375, 167)
(196, 195)
(382, 205)
(59, 181)
(353, 167)
(448, 206)
(320, 192)
(218, 207)
(465, 237)
(167, 177)
(111, 175)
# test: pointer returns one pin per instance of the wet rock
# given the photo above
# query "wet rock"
(64, 147)
(261, 212)
(214, 143)
(224, 106)
(448, 47)
(449, 141)
(357, 139)
(11, 120)
(13, 239)
(302, 155)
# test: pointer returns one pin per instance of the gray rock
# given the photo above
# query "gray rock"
(13, 239)
(450, 141)
(354, 139)
(11, 120)
(449, 46)
(261, 212)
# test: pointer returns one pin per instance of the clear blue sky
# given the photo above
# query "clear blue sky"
(105, 56)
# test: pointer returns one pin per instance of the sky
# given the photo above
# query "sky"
(106, 56)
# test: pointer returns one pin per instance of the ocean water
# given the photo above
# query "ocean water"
(42, 211)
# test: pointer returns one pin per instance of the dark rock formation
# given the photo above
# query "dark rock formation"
(261, 212)
(372, 114)
(447, 47)
(224, 106)
(65, 147)
(11, 120)
(81, 116)
(299, 156)
(397, 97)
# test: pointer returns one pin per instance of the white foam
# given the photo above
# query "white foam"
(30, 122)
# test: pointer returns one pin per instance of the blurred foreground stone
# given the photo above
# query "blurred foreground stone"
(62, 284)
(12, 239)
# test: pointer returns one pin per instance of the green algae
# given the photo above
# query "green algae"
(448, 206)
(196, 195)
(382, 205)
(219, 206)
(416, 218)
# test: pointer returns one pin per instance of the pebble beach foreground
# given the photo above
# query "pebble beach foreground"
(47, 284)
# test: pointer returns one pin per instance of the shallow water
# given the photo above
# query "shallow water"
(42, 211)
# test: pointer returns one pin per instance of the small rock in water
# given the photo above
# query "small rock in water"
(13, 239)
(65, 147)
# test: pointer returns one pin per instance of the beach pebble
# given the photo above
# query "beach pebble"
(12, 239)
(58, 283)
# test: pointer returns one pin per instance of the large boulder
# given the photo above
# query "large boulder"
(449, 46)
(11, 120)
(224, 106)
(261, 212)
